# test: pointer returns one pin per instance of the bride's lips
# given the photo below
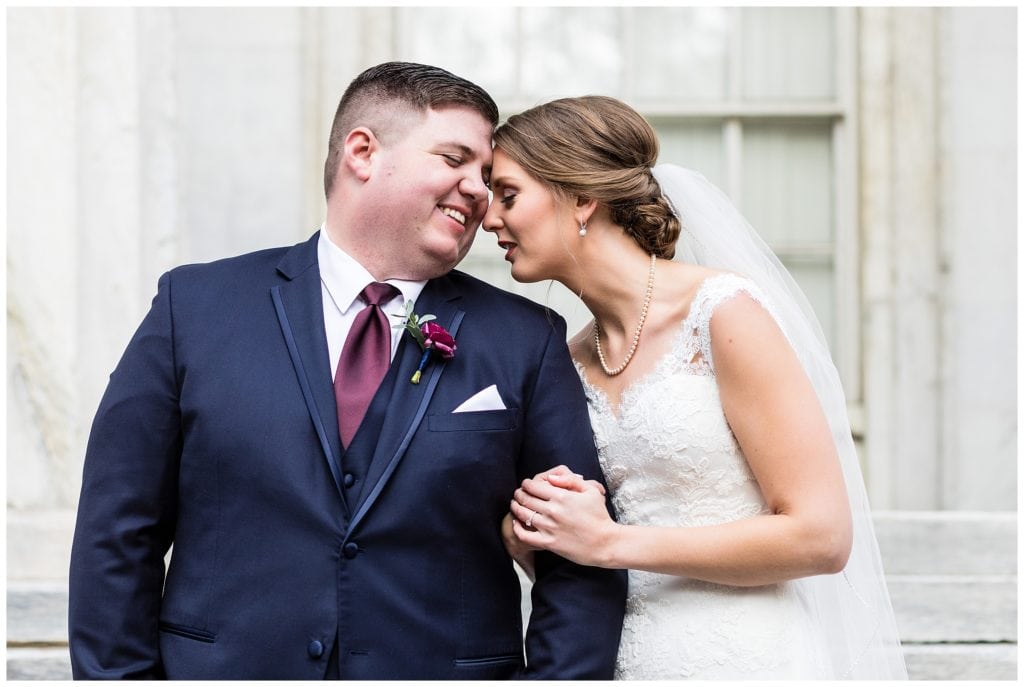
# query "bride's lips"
(509, 247)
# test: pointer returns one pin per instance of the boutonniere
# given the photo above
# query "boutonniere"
(432, 338)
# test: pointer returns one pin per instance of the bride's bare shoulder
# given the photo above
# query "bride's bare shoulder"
(684, 281)
(689, 277)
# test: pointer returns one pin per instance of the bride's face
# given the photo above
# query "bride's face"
(532, 226)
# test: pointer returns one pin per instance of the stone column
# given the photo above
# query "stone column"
(978, 211)
(90, 202)
(938, 230)
(901, 271)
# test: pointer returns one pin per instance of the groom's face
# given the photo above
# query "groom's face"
(431, 189)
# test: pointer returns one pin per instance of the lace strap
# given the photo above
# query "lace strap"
(713, 292)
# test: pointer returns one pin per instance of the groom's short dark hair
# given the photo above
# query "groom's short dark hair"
(382, 96)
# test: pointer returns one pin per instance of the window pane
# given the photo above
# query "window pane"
(787, 181)
(693, 143)
(788, 53)
(571, 51)
(681, 53)
(486, 57)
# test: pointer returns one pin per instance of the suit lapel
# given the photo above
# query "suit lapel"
(299, 307)
(408, 402)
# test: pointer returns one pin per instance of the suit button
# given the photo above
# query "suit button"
(315, 649)
(350, 550)
(350, 479)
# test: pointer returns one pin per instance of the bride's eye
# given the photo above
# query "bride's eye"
(508, 200)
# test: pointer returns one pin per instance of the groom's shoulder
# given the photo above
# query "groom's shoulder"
(258, 264)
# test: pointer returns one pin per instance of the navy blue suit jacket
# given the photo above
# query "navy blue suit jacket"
(217, 434)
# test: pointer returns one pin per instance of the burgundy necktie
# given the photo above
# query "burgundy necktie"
(364, 360)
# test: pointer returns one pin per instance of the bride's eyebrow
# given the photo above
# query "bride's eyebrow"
(501, 181)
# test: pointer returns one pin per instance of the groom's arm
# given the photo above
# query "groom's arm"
(126, 510)
(577, 610)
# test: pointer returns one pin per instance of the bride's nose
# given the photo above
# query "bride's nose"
(491, 222)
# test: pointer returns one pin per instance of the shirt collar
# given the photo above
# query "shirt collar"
(344, 277)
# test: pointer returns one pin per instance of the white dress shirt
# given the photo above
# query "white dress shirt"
(341, 281)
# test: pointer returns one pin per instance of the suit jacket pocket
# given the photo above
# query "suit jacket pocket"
(477, 421)
(188, 632)
(503, 667)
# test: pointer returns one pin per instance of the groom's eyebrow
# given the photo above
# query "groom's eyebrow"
(462, 148)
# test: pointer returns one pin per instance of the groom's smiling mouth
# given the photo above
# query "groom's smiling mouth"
(451, 212)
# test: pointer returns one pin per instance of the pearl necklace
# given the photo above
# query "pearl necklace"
(636, 334)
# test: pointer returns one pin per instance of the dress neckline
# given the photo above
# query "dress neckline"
(684, 330)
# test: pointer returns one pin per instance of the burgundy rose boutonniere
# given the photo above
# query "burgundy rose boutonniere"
(432, 338)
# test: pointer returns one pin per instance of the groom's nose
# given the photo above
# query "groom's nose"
(474, 188)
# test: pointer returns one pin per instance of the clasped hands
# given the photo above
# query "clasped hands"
(561, 512)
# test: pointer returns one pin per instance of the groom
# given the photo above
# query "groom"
(328, 516)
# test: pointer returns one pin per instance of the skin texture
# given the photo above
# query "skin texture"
(539, 232)
(397, 184)
(769, 404)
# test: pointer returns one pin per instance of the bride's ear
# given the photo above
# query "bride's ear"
(584, 210)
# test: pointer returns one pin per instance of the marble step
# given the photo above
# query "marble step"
(947, 542)
(37, 613)
(961, 661)
(948, 608)
(46, 663)
(924, 662)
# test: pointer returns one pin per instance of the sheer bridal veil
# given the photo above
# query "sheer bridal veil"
(851, 608)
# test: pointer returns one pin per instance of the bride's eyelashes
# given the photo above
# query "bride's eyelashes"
(508, 200)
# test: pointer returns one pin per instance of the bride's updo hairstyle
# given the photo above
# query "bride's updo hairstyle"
(597, 148)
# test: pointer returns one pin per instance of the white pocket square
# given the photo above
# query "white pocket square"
(488, 399)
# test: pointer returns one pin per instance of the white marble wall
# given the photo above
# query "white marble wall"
(140, 138)
(979, 249)
(938, 222)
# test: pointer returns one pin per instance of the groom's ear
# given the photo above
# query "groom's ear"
(361, 145)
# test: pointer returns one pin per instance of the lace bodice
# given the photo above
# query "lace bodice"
(670, 459)
(671, 435)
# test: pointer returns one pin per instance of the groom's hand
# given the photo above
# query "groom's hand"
(563, 477)
(520, 551)
(574, 482)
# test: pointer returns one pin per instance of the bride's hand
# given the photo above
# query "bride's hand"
(561, 512)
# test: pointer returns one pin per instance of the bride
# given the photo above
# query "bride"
(717, 412)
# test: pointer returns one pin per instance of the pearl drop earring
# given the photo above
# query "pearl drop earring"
(583, 228)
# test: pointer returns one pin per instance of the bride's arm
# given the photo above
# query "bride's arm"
(777, 420)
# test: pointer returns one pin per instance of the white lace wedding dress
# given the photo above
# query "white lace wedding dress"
(670, 459)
